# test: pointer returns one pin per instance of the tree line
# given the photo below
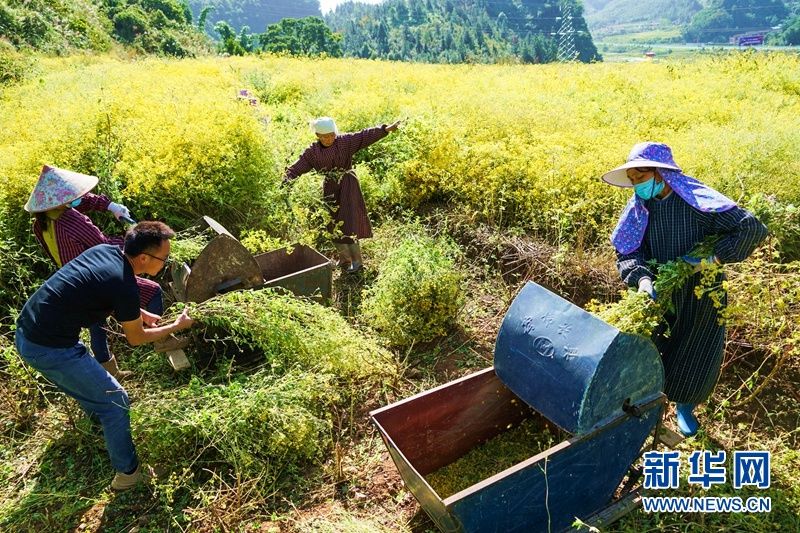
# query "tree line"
(450, 31)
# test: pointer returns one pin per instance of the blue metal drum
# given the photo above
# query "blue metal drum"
(569, 365)
(571, 369)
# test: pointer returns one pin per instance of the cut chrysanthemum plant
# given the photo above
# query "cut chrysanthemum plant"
(637, 313)
(294, 333)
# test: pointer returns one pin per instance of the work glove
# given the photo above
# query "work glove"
(119, 210)
(702, 263)
(646, 285)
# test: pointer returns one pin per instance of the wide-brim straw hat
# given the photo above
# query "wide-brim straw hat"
(56, 187)
(646, 154)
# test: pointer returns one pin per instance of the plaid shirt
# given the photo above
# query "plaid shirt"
(692, 353)
(76, 233)
(338, 156)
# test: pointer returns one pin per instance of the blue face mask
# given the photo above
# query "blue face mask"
(76, 202)
(648, 189)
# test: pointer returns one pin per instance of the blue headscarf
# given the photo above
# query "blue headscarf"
(627, 236)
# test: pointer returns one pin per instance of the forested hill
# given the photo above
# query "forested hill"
(255, 14)
(450, 31)
(163, 27)
(701, 20)
(602, 13)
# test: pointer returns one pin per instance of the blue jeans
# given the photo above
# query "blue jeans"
(79, 375)
(99, 335)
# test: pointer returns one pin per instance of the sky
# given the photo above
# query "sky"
(327, 5)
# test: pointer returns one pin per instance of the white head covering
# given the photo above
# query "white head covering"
(56, 187)
(323, 125)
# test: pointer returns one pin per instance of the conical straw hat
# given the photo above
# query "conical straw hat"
(56, 187)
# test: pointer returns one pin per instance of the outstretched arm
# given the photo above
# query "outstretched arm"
(393, 127)
(353, 142)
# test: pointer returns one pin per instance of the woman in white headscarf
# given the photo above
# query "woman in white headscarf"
(332, 156)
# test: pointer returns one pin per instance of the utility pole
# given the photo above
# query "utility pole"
(566, 36)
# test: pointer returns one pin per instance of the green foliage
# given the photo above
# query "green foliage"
(725, 18)
(19, 390)
(417, 294)
(263, 426)
(790, 33)
(54, 26)
(162, 27)
(294, 333)
(22, 270)
(57, 26)
(763, 306)
(783, 222)
(256, 14)
(510, 447)
(637, 313)
(304, 37)
(173, 10)
(130, 23)
(14, 66)
(188, 244)
(441, 31)
(258, 242)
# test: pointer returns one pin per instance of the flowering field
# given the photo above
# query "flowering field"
(515, 149)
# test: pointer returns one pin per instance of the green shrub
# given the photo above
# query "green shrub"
(22, 270)
(262, 426)
(130, 23)
(13, 66)
(171, 9)
(417, 294)
(783, 222)
(9, 22)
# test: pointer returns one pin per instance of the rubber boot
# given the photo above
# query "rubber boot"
(344, 254)
(355, 258)
(687, 423)
(112, 368)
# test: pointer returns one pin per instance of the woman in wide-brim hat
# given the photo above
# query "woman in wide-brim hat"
(58, 201)
(332, 156)
(667, 215)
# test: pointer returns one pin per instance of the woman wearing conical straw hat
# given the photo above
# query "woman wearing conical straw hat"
(58, 201)
(332, 156)
(668, 214)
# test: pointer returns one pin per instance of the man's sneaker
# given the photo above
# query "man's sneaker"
(170, 343)
(123, 481)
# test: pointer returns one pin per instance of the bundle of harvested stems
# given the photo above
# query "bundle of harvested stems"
(637, 313)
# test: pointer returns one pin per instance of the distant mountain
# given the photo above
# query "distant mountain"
(255, 14)
(454, 31)
(699, 20)
(604, 13)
